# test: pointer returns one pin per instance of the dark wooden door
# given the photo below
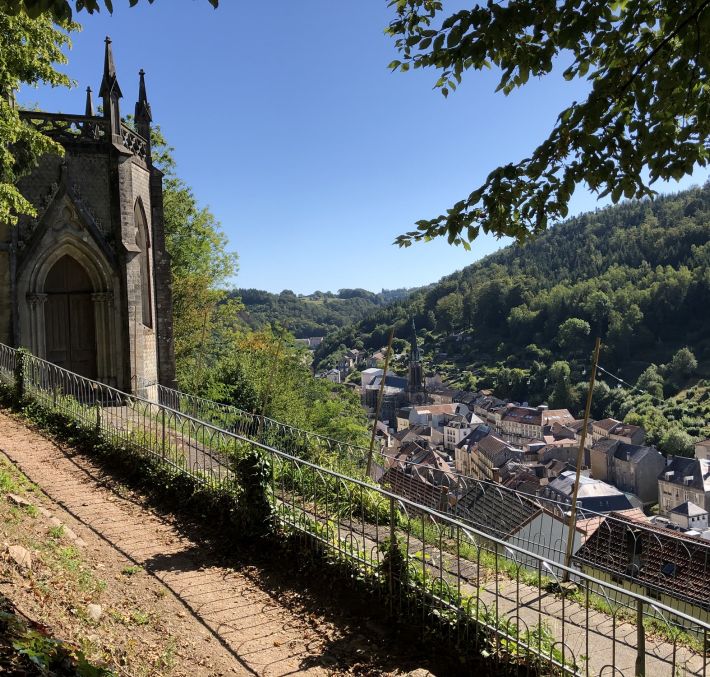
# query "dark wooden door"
(69, 318)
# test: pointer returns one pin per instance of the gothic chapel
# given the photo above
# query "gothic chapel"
(86, 283)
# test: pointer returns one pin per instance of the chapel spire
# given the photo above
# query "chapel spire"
(143, 114)
(111, 92)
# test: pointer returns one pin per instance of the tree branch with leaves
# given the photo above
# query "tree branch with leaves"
(62, 10)
(29, 50)
(646, 117)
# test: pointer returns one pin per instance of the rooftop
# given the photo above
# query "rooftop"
(674, 563)
(690, 509)
(697, 472)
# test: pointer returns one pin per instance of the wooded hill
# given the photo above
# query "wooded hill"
(314, 314)
(523, 320)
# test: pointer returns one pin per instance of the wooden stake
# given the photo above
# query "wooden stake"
(267, 390)
(379, 401)
(201, 360)
(580, 458)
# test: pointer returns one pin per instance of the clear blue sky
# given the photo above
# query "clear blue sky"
(311, 153)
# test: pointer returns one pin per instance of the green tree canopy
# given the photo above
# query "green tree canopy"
(677, 442)
(682, 365)
(560, 375)
(29, 50)
(651, 381)
(572, 333)
(648, 107)
(61, 10)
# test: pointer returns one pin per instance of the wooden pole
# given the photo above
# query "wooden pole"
(580, 458)
(201, 360)
(379, 402)
(267, 390)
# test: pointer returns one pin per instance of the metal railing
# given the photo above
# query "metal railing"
(535, 523)
(490, 594)
(337, 454)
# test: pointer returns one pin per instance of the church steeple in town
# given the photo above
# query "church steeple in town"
(414, 354)
(416, 370)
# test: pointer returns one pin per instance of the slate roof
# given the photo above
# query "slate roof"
(473, 437)
(631, 453)
(488, 402)
(410, 433)
(390, 382)
(593, 495)
(665, 560)
(496, 511)
(682, 467)
(464, 396)
(690, 509)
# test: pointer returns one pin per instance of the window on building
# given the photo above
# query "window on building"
(143, 242)
(668, 569)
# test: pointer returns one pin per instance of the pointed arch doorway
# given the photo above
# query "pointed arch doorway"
(69, 317)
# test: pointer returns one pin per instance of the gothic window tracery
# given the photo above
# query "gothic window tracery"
(143, 242)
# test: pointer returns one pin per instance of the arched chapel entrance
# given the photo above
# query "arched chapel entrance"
(70, 326)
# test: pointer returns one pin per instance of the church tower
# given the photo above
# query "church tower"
(85, 283)
(415, 386)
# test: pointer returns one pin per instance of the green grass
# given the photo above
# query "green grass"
(56, 532)
(12, 481)
(131, 570)
(140, 618)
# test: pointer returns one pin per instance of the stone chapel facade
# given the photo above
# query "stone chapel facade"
(86, 283)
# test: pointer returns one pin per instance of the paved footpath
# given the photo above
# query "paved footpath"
(262, 635)
(607, 643)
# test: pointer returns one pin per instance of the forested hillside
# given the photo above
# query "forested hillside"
(523, 320)
(315, 314)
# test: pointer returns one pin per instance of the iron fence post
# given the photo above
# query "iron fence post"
(20, 373)
(640, 641)
(392, 548)
(163, 429)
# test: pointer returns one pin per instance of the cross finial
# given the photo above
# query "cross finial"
(109, 83)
